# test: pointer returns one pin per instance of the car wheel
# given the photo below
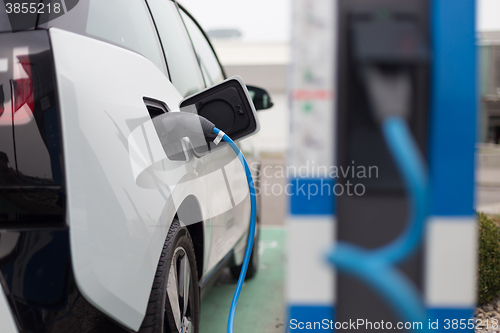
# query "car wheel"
(253, 265)
(174, 303)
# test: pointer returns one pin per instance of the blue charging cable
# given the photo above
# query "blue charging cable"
(251, 231)
(376, 267)
(412, 168)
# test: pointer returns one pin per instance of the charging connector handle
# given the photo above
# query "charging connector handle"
(389, 91)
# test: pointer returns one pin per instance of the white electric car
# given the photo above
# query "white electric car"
(103, 229)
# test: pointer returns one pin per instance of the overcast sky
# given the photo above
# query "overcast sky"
(258, 20)
(269, 20)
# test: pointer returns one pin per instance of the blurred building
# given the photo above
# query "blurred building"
(264, 65)
(489, 87)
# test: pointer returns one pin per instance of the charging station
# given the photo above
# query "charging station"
(413, 60)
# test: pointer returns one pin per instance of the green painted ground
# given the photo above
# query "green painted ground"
(261, 307)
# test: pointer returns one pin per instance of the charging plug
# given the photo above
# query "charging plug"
(389, 91)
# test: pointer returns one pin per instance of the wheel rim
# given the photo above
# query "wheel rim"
(178, 290)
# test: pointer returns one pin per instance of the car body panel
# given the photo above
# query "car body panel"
(117, 228)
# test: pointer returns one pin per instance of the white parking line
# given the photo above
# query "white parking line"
(263, 245)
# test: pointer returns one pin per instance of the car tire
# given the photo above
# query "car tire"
(168, 310)
(253, 265)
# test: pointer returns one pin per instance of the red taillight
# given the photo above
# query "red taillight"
(23, 88)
